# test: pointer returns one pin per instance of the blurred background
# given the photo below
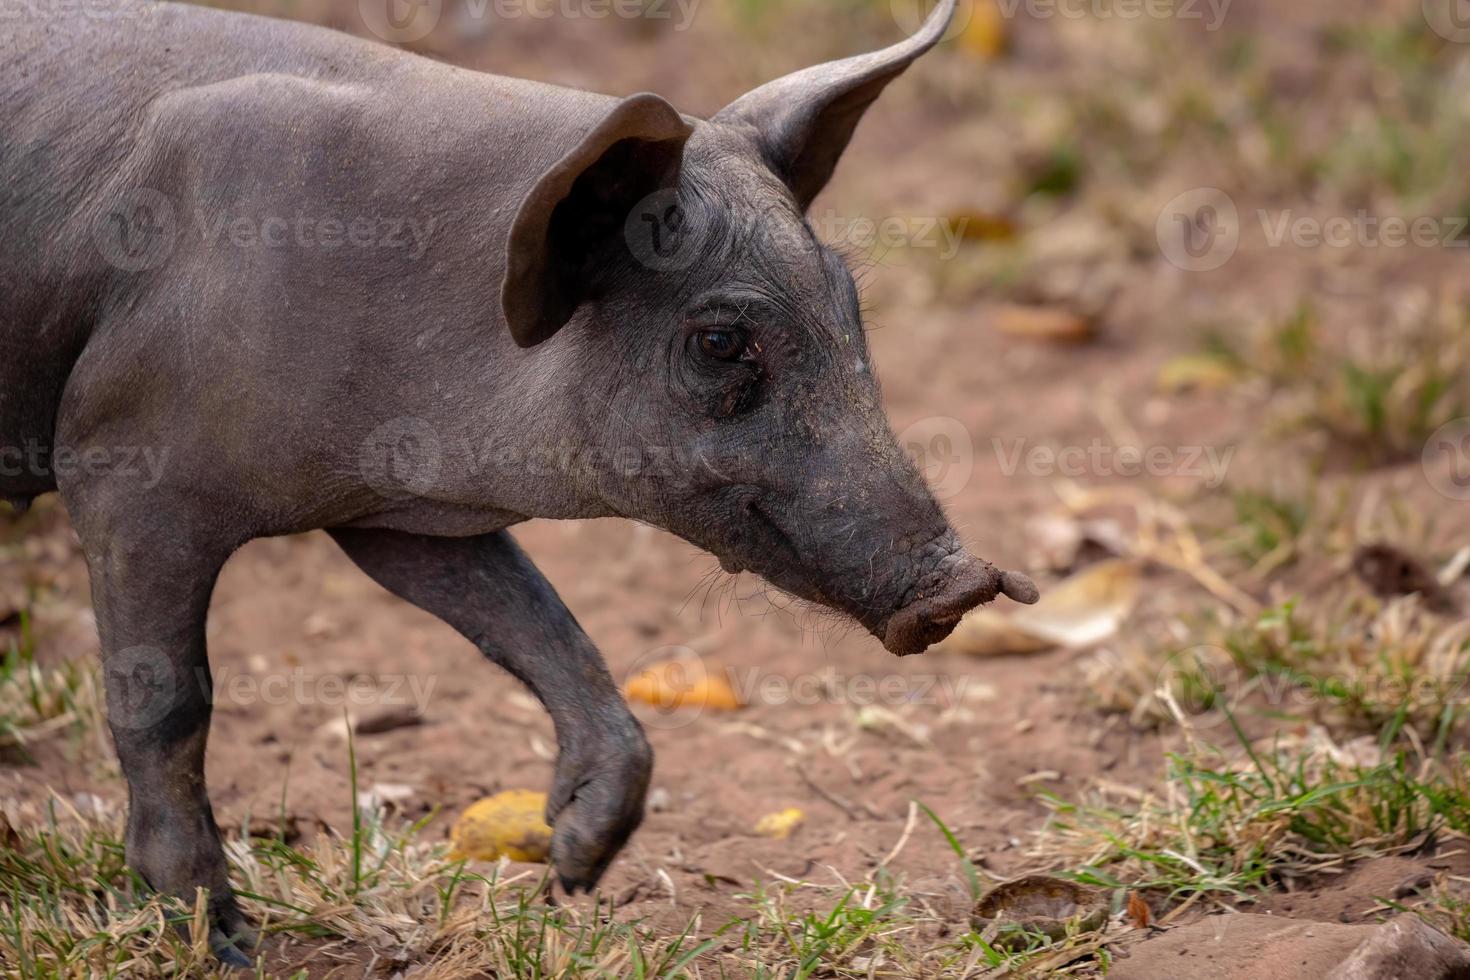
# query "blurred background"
(1169, 300)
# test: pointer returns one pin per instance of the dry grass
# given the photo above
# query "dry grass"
(1373, 394)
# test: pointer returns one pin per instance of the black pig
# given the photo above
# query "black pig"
(336, 285)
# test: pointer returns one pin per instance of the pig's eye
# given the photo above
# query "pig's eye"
(721, 345)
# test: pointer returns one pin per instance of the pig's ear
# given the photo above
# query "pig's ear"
(576, 205)
(805, 120)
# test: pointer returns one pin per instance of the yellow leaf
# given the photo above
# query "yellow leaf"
(1044, 324)
(1196, 372)
(510, 824)
(683, 684)
(983, 226)
(780, 825)
(985, 35)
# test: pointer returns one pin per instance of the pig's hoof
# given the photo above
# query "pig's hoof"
(228, 953)
(232, 939)
(595, 806)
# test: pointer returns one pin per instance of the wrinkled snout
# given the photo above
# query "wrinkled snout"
(957, 584)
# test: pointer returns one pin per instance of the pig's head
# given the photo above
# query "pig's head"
(719, 346)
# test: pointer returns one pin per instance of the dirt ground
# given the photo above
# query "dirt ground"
(298, 635)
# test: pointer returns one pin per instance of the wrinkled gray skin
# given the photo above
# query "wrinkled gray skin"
(618, 310)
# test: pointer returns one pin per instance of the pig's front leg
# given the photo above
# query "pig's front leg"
(153, 569)
(487, 588)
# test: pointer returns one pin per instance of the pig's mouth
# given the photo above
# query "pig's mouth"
(763, 536)
(933, 612)
(929, 611)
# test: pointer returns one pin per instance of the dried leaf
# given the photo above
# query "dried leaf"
(983, 226)
(510, 824)
(780, 825)
(985, 35)
(1196, 372)
(1390, 571)
(684, 683)
(1044, 324)
(1078, 612)
(390, 720)
(1138, 911)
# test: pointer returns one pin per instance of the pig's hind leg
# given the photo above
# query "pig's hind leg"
(487, 589)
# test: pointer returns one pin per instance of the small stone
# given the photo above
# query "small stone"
(1407, 947)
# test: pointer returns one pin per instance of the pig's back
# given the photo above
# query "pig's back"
(224, 114)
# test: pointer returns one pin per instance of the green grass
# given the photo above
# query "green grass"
(1371, 396)
(38, 702)
(1227, 826)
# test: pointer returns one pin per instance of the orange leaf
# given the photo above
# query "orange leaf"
(683, 684)
(1138, 911)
